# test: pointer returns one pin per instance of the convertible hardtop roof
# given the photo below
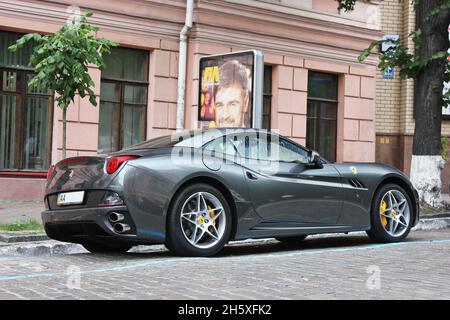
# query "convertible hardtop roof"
(193, 138)
(197, 138)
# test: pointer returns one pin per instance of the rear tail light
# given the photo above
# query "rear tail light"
(50, 172)
(114, 162)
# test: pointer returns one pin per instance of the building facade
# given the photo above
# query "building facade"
(395, 98)
(315, 90)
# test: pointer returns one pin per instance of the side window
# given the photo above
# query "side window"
(268, 148)
(221, 145)
(290, 152)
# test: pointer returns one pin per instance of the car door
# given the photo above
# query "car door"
(284, 187)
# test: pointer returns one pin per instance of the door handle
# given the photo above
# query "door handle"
(251, 176)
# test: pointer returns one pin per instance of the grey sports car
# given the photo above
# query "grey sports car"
(194, 191)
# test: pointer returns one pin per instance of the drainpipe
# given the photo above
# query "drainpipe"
(182, 61)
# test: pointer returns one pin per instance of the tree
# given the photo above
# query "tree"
(61, 62)
(429, 66)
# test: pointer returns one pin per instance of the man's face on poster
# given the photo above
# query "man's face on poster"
(231, 105)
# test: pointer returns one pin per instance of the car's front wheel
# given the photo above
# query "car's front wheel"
(198, 222)
(391, 214)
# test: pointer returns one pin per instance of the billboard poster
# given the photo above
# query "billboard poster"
(227, 90)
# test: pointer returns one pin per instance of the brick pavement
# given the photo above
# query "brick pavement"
(323, 267)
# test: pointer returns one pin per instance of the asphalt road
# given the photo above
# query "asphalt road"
(321, 267)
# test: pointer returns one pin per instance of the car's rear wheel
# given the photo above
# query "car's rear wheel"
(198, 222)
(103, 248)
(391, 214)
(293, 239)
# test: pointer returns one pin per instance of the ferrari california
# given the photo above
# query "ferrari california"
(194, 191)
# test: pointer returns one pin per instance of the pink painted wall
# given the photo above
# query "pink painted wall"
(21, 188)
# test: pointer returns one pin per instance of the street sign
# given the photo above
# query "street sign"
(388, 42)
(389, 73)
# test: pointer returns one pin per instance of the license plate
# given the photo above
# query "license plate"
(68, 198)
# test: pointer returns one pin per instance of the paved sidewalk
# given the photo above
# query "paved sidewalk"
(16, 210)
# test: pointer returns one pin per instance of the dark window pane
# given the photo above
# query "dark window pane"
(110, 92)
(313, 108)
(25, 122)
(123, 94)
(36, 140)
(11, 81)
(133, 125)
(268, 80)
(20, 58)
(328, 110)
(267, 105)
(108, 136)
(267, 98)
(126, 64)
(322, 115)
(39, 89)
(311, 134)
(266, 122)
(135, 94)
(327, 134)
(8, 109)
(322, 86)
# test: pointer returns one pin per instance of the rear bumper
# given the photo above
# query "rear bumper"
(90, 225)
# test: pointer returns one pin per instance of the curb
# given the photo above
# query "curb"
(23, 237)
(432, 224)
(44, 248)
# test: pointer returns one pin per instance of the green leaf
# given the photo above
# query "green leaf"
(61, 60)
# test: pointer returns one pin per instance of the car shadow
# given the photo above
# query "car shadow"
(260, 247)
(253, 248)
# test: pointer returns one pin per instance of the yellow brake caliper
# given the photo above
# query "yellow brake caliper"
(211, 214)
(382, 210)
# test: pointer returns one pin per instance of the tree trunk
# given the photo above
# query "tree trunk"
(426, 164)
(64, 132)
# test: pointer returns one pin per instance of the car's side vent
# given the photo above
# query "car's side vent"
(356, 184)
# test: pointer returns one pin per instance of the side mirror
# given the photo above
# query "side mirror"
(314, 160)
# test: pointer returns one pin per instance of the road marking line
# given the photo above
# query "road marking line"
(254, 257)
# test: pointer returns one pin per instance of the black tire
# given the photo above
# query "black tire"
(377, 231)
(176, 242)
(292, 239)
(103, 248)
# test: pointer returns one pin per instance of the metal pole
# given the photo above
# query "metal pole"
(182, 59)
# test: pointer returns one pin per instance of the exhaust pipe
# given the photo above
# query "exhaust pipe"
(115, 217)
(121, 227)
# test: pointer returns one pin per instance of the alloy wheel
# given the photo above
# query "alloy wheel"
(203, 220)
(395, 213)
